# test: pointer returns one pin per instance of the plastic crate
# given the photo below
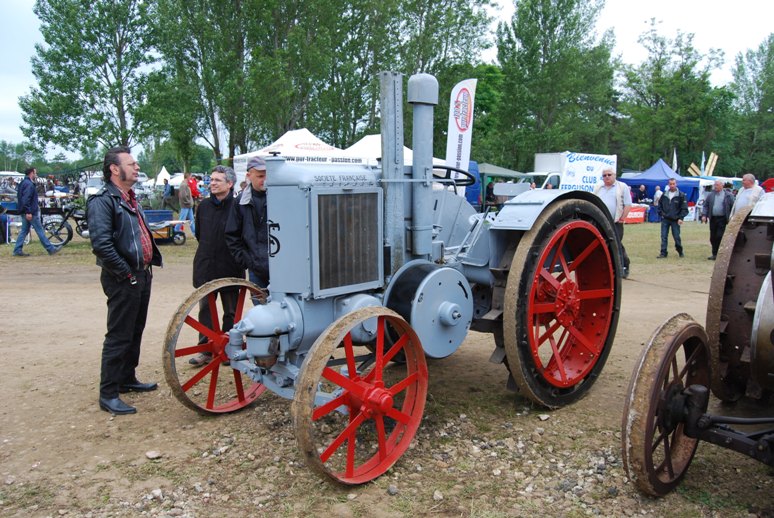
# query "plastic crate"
(157, 216)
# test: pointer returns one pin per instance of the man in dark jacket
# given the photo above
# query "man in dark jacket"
(27, 204)
(124, 246)
(673, 207)
(717, 210)
(247, 232)
(213, 259)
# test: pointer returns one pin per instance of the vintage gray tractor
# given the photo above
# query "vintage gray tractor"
(373, 270)
(665, 415)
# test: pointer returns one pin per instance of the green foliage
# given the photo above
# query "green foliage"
(754, 89)
(668, 103)
(236, 75)
(557, 82)
(90, 74)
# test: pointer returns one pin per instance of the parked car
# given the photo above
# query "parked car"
(93, 185)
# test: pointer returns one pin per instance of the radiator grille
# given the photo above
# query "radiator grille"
(348, 239)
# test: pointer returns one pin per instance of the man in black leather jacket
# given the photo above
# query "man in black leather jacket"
(124, 246)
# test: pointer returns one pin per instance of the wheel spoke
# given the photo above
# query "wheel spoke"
(398, 416)
(330, 406)
(238, 383)
(401, 385)
(578, 261)
(350, 354)
(549, 278)
(201, 328)
(540, 339)
(195, 349)
(347, 433)
(582, 340)
(689, 363)
(604, 293)
(396, 348)
(379, 364)
(212, 306)
(198, 376)
(240, 303)
(543, 307)
(213, 386)
(343, 381)
(381, 437)
(556, 362)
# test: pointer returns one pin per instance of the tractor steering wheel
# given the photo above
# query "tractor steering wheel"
(468, 179)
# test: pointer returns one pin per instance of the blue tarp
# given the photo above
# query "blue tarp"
(659, 174)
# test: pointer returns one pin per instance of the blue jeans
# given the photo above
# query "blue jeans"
(25, 229)
(666, 225)
(187, 214)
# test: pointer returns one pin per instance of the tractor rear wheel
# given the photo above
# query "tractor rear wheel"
(562, 300)
(355, 416)
(196, 366)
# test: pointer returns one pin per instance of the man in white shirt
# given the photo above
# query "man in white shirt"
(749, 194)
(618, 198)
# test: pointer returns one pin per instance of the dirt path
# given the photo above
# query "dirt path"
(61, 455)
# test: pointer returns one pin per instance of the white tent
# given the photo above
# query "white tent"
(369, 148)
(301, 146)
(163, 175)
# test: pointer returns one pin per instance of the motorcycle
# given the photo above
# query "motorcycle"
(58, 229)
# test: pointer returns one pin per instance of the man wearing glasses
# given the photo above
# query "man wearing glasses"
(618, 198)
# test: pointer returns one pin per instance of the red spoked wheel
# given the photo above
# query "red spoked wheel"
(656, 451)
(199, 326)
(354, 416)
(562, 300)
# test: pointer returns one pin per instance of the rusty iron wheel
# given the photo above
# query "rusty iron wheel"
(562, 301)
(214, 388)
(656, 452)
(354, 416)
(741, 266)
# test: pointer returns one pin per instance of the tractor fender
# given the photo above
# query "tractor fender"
(521, 212)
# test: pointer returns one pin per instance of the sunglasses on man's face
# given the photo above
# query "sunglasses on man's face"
(607, 175)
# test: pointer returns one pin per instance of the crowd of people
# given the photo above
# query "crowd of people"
(719, 206)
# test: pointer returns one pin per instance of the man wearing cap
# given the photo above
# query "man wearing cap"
(247, 232)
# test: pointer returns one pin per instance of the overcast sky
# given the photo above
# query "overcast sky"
(733, 26)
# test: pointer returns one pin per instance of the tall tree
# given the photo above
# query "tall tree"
(441, 33)
(90, 73)
(669, 103)
(557, 80)
(754, 89)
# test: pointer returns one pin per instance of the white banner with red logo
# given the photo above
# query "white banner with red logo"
(460, 126)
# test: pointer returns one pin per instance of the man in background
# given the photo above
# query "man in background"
(673, 207)
(168, 196)
(618, 198)
(748, 195)
(213, 259)
(186, 201)
(247, 232)
(717, 210)
(27, 204)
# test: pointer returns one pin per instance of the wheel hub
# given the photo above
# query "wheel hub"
(378, 400)
(567, 303)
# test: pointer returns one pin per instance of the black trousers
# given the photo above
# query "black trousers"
(619, 232)
(717, 225)
(127, 312)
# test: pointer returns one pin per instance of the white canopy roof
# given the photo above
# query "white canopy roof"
(369, 148)
(301, 146)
